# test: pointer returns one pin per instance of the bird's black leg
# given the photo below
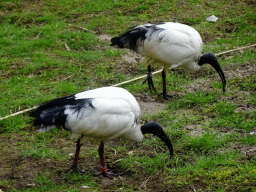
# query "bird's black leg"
(75, 162)
(149, 79)
(104, 171)
(166, 96)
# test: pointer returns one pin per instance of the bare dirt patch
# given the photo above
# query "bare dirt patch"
(245, 108)
(105, 37)
(245, 70)
(194, 130)
(128, 64)
(149, 105)
(151, 108)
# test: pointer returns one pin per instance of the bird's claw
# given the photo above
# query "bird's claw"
(76, 169)
(167, 96)
(108, 174)
(150, 82)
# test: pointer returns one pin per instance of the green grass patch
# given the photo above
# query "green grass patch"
(46, 52)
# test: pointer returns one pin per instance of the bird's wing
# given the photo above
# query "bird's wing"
(108, 119)
(172, 43)
(68, 111)
(54, 113)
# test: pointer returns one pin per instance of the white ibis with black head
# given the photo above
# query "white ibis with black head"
(100, 115)
(171, 44)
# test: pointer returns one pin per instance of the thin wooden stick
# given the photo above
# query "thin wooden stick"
(20, 112)
(38, 35)
(67, 47)
(57, 82)
(83, 28)
(135, 78)
(222, 53)
(26, 110)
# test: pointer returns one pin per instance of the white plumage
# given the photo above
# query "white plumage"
(174, 45)
(98, 115)
(171, 44)
(115, 113)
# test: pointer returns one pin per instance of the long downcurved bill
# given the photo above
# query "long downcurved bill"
(156, 129)
(167, 141)
(217, 67)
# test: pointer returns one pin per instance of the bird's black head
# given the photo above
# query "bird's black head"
(156, 129)
(212, 60)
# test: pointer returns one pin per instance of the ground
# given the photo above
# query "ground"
(21, 171)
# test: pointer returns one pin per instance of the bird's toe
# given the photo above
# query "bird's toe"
(167, 96)
(108, 174)
(76, 169)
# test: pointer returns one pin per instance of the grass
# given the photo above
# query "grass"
(210, 130)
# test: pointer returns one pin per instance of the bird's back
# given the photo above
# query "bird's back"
(100, 114)
(175, 44)
(168, 43)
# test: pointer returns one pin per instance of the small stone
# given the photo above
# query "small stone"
(85, 187)
(212, 18)
(29, 185)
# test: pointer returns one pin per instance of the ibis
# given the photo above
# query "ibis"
(97, 116)
(170, 44)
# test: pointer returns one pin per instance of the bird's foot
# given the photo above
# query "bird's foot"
(150, 82)
(108, 173)
(167, 96)
(76, 169)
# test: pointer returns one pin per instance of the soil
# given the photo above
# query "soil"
(149, 105)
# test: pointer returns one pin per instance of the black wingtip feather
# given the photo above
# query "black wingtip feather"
(53, 113)
(130, 39)
(116, 41)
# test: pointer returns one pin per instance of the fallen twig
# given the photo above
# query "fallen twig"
(20, 112)
(58, 81)
(240, 48)
(135, 79)
(38, 35)
(83, 28)
(67, 47)
(144, 182)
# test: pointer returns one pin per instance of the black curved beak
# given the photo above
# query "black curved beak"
(164, 137)
(212, 60)
(217, 67)
(156, 129)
